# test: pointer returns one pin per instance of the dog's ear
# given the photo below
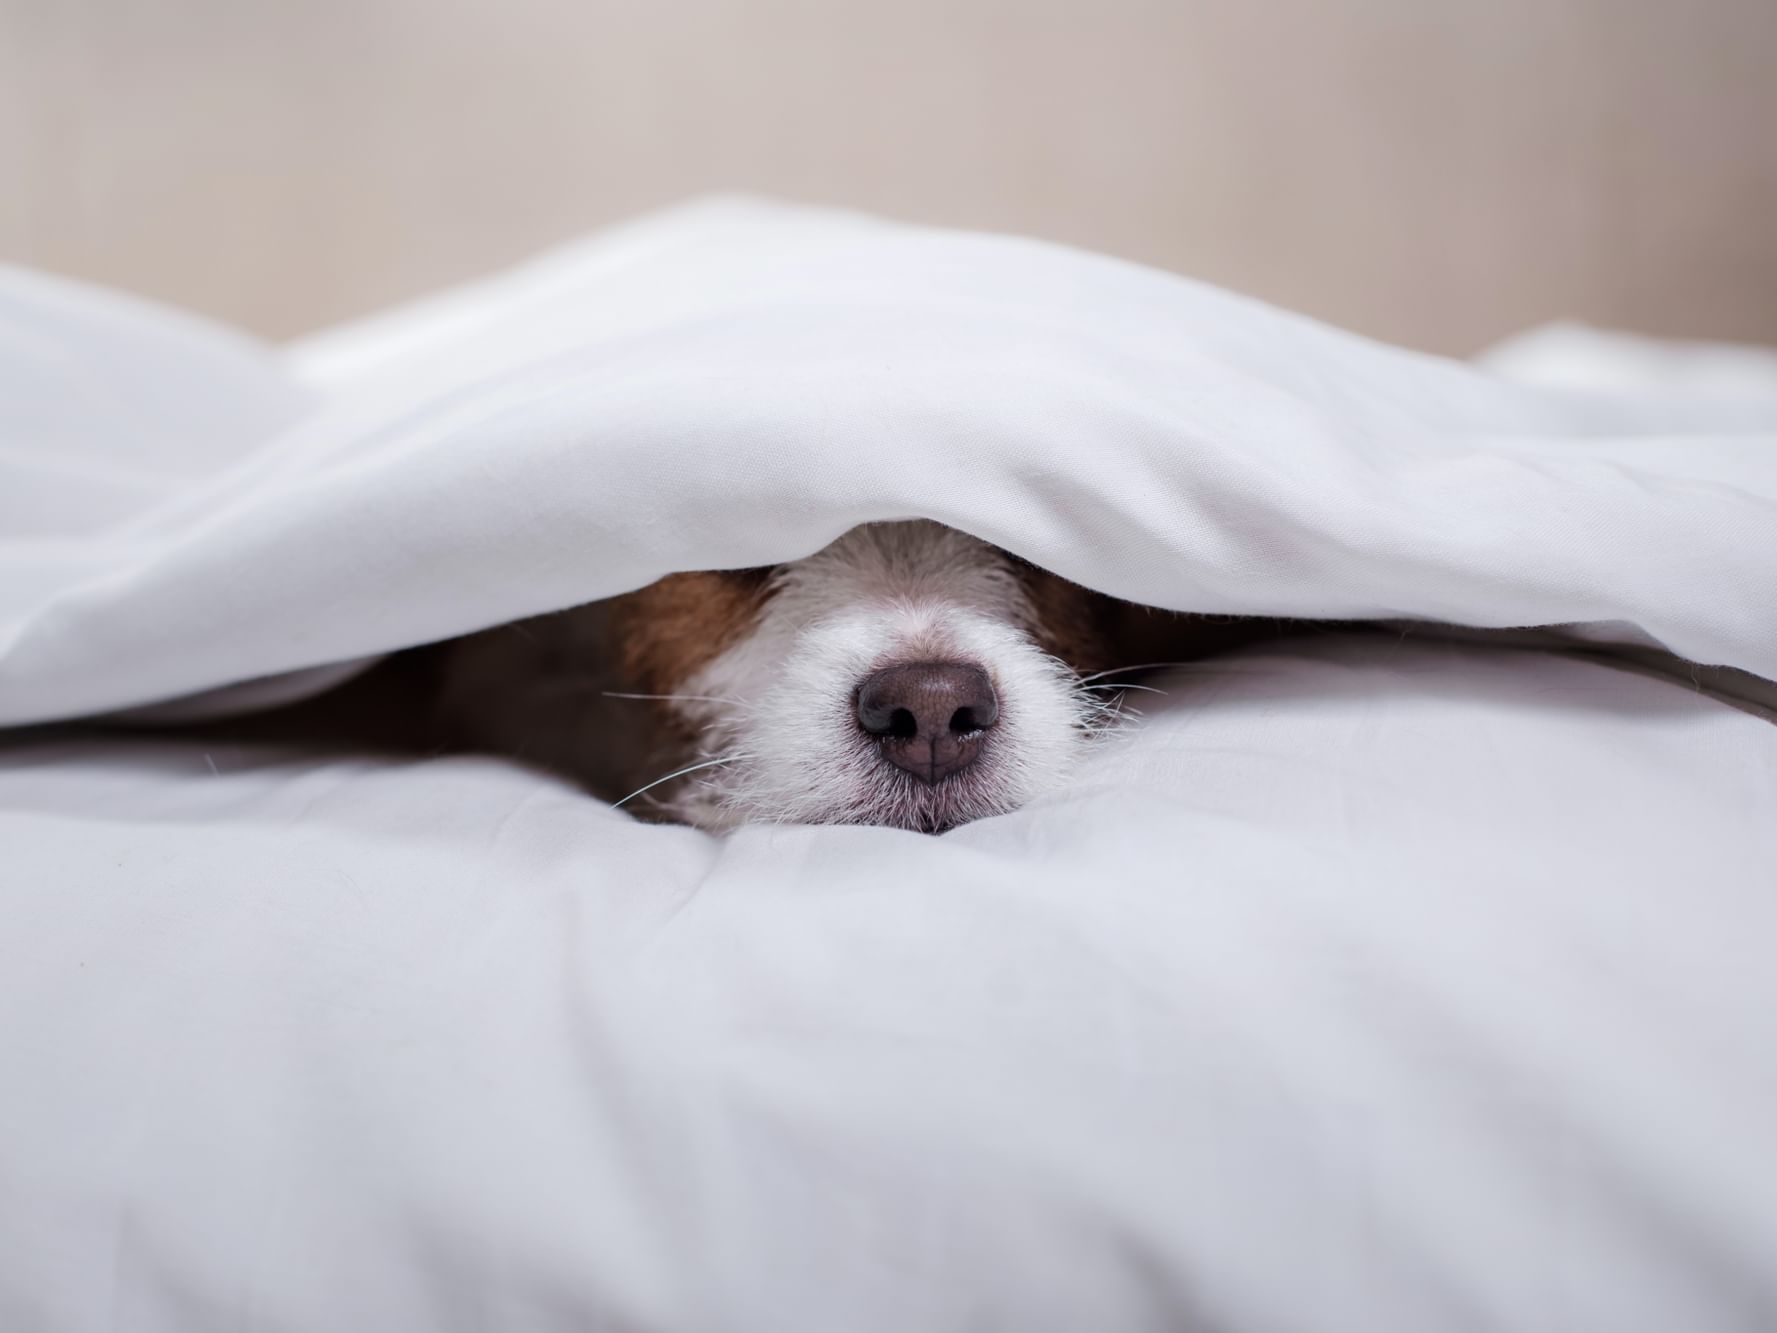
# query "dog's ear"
(666, 632)
(1068, 621)
(553, 692)
(1146, 634)
(1093, 632)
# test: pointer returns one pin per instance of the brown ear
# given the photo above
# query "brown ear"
(1146, 634)
(552, 692)
(665, 632)
(1068, 621)
(1093, 632)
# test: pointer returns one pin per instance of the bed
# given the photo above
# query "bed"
(1409, 980)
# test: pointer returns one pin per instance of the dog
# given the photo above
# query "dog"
(906, 675)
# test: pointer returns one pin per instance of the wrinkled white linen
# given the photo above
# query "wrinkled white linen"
(1370, 984)
(737, 384)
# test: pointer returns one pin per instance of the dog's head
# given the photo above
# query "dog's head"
(907, 675)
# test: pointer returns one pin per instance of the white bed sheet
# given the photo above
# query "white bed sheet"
(1375, 983)
(736, 384)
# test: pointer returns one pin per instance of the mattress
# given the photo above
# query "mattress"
(1415, 979)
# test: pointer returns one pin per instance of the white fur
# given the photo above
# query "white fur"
(783, 700)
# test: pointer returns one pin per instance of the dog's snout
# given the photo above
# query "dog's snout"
(930, 717)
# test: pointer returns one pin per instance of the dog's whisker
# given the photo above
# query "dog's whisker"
(833, 674)
(680, 698)
(679, 773)
(1139, 666)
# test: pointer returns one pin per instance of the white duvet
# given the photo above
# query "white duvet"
(1374, 984)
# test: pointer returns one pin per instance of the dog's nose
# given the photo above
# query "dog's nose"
(930, 716)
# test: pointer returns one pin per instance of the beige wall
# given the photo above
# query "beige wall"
(1433, 171)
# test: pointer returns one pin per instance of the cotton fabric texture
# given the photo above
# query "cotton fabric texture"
(1373, 982)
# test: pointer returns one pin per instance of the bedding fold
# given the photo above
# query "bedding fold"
(737, 383)
(1367, 984)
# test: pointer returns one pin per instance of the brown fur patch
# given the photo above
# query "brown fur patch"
(1071, 622)
(1092, 632)
(669, 630)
